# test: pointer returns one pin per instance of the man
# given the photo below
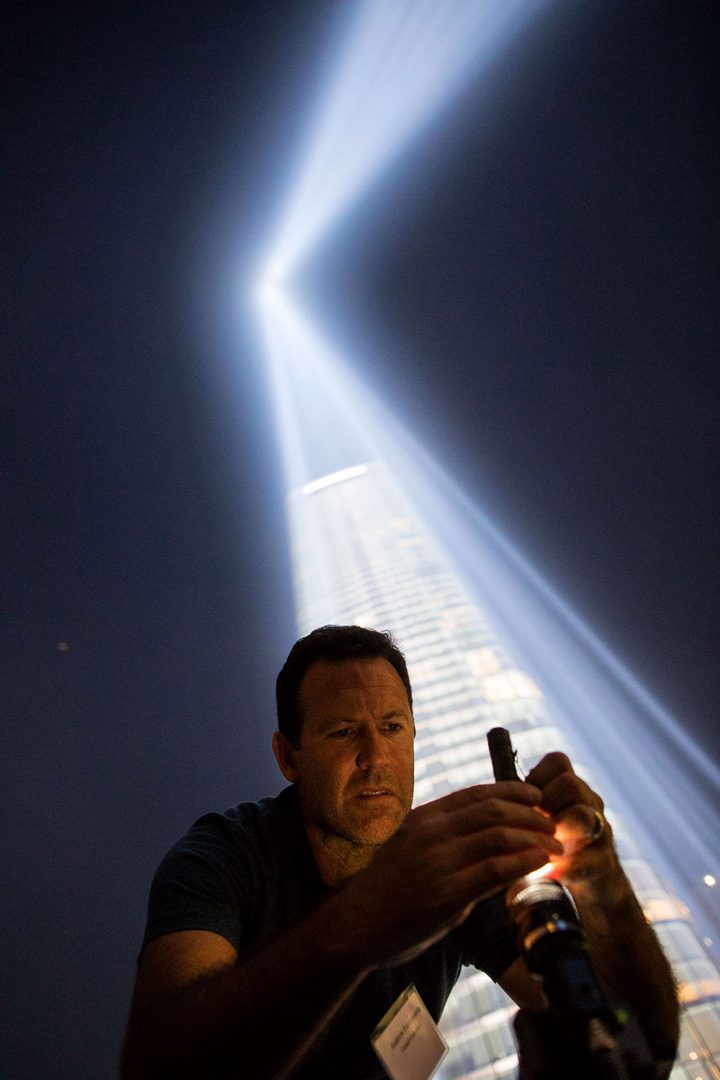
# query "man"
(280, 933)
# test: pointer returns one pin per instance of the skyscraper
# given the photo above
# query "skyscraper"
(362, 554)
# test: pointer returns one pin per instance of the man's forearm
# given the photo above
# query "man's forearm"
(632, 966)
(256, 1018)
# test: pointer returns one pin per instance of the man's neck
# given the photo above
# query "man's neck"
(337, 859)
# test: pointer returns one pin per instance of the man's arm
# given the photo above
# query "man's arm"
(197, 1010)
(625, 951)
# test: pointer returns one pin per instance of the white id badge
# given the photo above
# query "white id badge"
(407, 1039)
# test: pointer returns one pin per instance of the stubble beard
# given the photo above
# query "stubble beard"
(336, 825)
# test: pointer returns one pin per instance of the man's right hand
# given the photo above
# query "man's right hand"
(444, 857)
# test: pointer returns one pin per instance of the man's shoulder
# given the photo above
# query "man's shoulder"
(225, 873)
(285, 806)
(271, 820)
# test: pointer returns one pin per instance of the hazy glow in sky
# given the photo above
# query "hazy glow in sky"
(399, 65)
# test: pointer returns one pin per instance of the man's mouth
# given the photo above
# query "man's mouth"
(373, 793)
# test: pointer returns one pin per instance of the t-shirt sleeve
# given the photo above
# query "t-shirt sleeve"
(205, 882)
(488, 939)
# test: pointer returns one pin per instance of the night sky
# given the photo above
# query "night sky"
(534, 291)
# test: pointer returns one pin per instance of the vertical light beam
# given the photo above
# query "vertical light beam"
(401, 63)
(407, 551)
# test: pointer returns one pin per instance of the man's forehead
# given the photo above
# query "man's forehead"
(346, 677)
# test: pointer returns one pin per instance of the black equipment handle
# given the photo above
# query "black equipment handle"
(502, 754)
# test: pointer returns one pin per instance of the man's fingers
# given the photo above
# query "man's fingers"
(483, 851)
(498, 812)
(566, 791)
(545, 771)
(510, 790)
(500, 870)
(480, 878)
(502, 840)
(561, 787)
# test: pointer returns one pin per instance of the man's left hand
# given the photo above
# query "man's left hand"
(589, 865)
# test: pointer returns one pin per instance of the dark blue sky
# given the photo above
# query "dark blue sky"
(537, 297)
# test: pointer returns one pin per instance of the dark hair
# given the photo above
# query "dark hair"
(332, 643)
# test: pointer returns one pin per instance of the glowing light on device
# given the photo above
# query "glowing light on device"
(401, 63)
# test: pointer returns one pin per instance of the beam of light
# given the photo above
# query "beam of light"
(401, 64)
(653, 773)
(288, 418)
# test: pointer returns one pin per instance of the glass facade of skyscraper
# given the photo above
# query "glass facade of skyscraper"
(361, 554)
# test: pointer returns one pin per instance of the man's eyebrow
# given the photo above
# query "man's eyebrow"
(333, 721)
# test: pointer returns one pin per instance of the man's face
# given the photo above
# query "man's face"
(354, 764)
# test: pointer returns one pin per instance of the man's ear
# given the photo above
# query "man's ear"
(286, 756)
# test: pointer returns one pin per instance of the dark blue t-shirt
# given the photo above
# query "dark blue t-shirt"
(249, 874)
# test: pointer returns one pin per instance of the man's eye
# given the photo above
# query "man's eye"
(341, 733)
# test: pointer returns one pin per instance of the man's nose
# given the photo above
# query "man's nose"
(372, 751)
